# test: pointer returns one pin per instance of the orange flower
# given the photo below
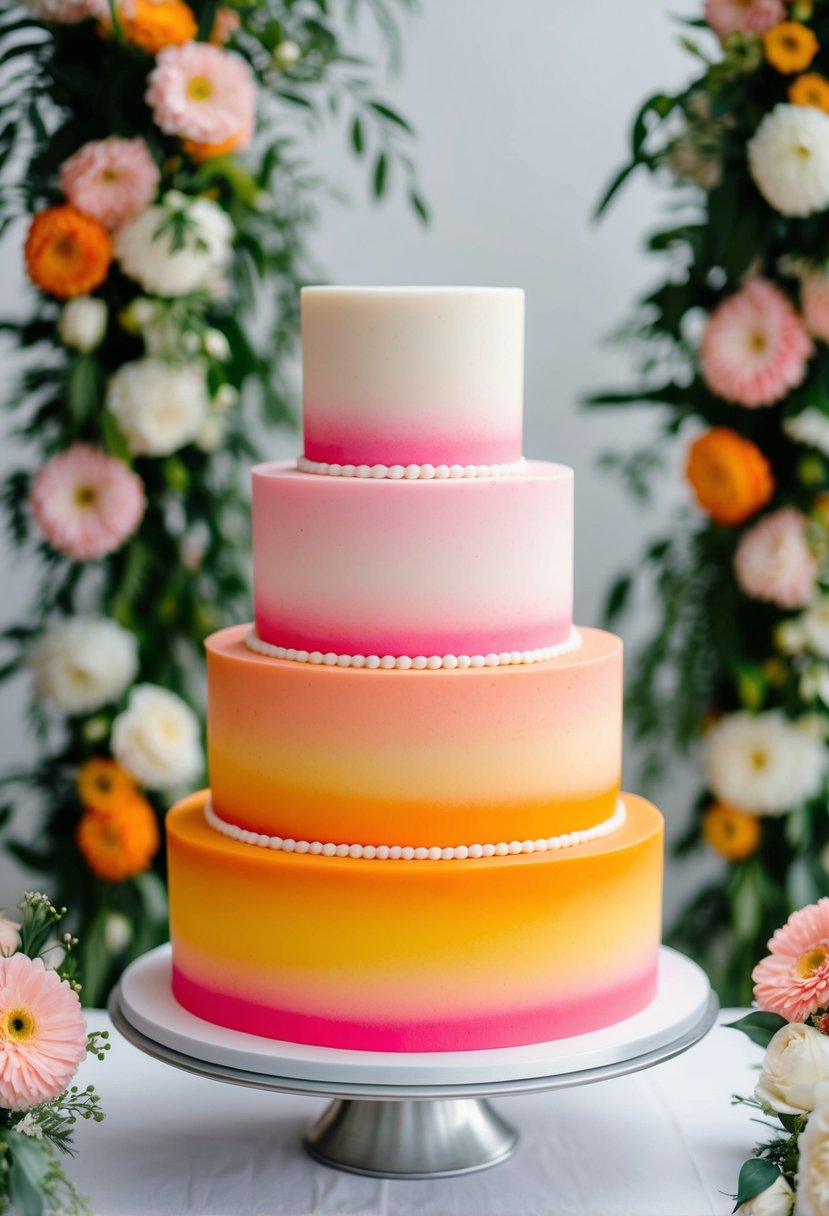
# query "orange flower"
(203, 152)
(154, 24)
(733, 834)
(102, 784)
(121, 842)
(730, 476)
(790, 46)
(810, 90)
(67, 253)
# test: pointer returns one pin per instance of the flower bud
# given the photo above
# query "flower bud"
(83, 323)
(286, 55)
(216, 345)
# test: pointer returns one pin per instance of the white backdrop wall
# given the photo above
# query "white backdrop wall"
(522, 112)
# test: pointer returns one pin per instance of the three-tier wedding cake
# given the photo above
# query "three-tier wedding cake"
(414, 838)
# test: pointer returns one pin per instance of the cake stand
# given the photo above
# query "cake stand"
(413, 1115)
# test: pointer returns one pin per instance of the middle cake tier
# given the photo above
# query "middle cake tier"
(414, 758)
(461, 565)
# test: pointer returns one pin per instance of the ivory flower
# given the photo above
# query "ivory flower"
(86, 503)
(789, 159)
(810, 427)
(754, 348)
(148, 251)
(813, 1166)
(763, 763)
(775, 1200)
(42, 1033)
(157, 739)
(9, 936)
(82, 664)
(82, 323)
(774, 562)
(796, 1060)
(159, 407)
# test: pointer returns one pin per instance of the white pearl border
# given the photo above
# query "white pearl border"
(409, 472)
(396, 852)
(419, 662)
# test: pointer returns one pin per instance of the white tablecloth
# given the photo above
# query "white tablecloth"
(665, 1142)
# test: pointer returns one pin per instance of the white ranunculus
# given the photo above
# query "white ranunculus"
(796, 1060)
(810, 427)
(775, 1200)
(813, 1166)
(157, 739)
(83, 322)
(763, 763)
(814, 625)
(144, 247)
(789, 159)
(83, 663)
(9, 936)
(159, 407)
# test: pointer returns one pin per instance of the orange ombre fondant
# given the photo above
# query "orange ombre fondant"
(415, 955)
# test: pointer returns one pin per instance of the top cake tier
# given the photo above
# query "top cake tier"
(413, 375)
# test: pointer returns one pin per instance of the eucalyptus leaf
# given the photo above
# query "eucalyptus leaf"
(761, 1027)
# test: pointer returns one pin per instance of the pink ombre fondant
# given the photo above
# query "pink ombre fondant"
(457, 566)
(413, 375)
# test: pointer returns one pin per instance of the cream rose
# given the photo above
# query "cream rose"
(157, 739)
(813, 1167)
(796, 1060)
(775, 1200)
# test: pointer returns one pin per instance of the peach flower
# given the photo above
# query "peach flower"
(794, 979)
(755, 347)
(814, 301)
(110, 179)
(201, 93)
(774, 562)
(86, 503)
(743, 16)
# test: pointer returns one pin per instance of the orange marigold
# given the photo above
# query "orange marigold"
(790, 46)
(154, 24)
(67, 253)
(102, 784)
(730, 476)
(203, 152)
(810, 90)
(121, 842)
(733, 834)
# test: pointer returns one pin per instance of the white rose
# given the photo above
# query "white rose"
(796, 1060)
(789, 159)
(775, 1200)
(157, 739)
(813, 1166)
(81, 664)
(144, 246)
(763, 763)
(9, 936)
(159, 407)
(82, 323)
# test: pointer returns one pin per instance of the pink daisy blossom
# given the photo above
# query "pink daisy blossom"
(774, 562)
(794, 979)
(814, 301)
(42, 1033)
(225, 26)
(87, 503)
(110, 179)
(743, 16)
(202, 93)
(62, 12)
(755, 347)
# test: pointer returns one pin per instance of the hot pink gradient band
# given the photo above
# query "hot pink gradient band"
(510, 1027)
(376, 447)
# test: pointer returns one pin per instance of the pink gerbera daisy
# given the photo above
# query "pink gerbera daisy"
(87, 503)
(794, 979)
(755, 347)
(743, 16)
(201, 93)
(110, 179)
(42, 1033)
(774, 562)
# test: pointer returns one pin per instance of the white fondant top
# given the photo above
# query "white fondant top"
(413, 375)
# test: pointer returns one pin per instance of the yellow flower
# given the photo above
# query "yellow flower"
(733, 834)
(790, 47)
(810, 90)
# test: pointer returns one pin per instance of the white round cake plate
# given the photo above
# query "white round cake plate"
(410, 1115)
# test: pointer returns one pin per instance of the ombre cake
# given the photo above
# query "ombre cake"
(415, 757)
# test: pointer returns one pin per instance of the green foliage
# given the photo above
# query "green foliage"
(184, 572)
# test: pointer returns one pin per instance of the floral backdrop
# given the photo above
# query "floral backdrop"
(732, 345)
(155, 169)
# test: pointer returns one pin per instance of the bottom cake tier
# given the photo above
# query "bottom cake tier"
(418, 955)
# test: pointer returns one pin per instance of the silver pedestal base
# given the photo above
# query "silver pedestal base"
(435, 1138)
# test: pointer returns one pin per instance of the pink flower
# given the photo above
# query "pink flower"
(814, 301)
(743, 16)
(42, 1033)
(87, 503)
(110, 179)
(794, 979)
(755, 347)
(202, 93)
(225, 25)
(62, 12)
(773, 560)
